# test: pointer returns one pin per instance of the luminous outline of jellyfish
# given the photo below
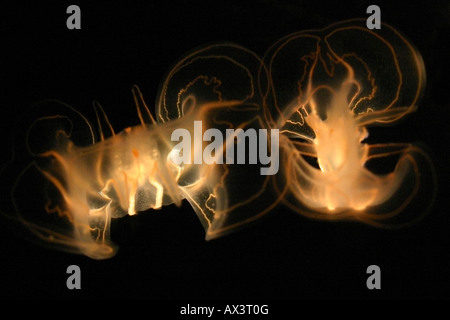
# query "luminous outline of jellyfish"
(334, 89)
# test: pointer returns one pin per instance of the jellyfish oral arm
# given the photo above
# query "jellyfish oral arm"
(342, 181)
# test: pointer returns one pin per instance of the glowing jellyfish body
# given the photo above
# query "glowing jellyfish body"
(342, 181)
(326, 87)
(131, 173)
(321, 89)
(88, 184)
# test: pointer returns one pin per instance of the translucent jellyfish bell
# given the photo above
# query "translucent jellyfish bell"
(36, 183)
(218, 83)
(326, 87)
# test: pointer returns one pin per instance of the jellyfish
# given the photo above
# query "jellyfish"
(327, 88)
(84, 178)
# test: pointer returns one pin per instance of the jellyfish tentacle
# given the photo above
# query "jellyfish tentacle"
(104, 126)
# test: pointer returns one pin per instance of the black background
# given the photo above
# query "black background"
(163, 254)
